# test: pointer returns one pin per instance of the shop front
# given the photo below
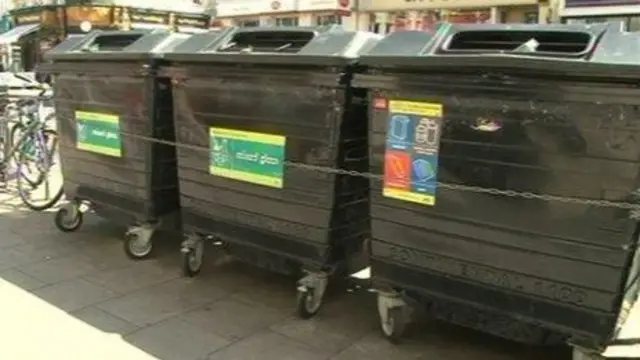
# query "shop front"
(248, 13)
(384, 16)
(598, 11)
(326, 12)
(41, 25)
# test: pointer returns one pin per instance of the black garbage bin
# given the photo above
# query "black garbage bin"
(109, 103)
(510, 164)
(264, 117)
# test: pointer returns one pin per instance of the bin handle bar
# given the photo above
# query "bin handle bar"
(356, 153)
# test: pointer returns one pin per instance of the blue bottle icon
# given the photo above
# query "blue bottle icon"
(399, 125)
(423, 170)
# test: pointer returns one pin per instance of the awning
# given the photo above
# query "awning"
(17, 32)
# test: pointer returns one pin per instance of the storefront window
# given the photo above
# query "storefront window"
(328, 19)
(519, 15)
(387, 28)
(287, 21)
(427, 20)
(373, 23)
(468, 16)
(400, 21)
(248, 23)
(531, 17)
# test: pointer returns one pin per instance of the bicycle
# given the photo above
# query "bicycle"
(30, 145)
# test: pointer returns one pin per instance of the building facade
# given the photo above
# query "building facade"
(384, 16)
(594, 11)
(283, 12)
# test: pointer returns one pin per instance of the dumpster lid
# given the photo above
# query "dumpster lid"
(18, 32)
(567, 49)
(324, 45)
(115, 45)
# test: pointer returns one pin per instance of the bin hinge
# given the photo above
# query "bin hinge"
(178, 76)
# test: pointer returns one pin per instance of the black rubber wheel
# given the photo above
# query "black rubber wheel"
(21, 161)
(134, 249)
(67, 222)
(192, 260)
(308, 303)
(394, 325)
(189, 263)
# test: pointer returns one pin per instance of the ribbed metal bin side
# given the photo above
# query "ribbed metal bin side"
(517, 209)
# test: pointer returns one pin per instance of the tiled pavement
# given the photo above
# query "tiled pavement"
(110, 307)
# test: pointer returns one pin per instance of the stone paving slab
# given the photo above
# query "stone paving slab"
(77, 296)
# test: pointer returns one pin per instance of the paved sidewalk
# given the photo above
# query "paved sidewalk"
(77, 296)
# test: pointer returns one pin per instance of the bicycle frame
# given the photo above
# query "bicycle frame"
(33, 131)
(38, 137)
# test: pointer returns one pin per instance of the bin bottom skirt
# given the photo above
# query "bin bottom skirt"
(451, 300)
(247, 244)
(121, 210)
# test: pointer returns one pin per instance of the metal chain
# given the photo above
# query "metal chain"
(449, 186)
(478, 189)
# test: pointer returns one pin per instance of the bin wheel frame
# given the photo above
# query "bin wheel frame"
(308, 302)
(137, 243)
(393, 324)
(192, 254)
(393, 313)
(62, 221)
(310, 295)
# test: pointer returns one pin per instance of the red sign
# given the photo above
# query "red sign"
(380, 103)
(344, 3)
(275, 5)
(397, 170)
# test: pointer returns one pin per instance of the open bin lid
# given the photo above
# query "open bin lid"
(17, 33)
(115, 45)
(595, 50)
(326, 45)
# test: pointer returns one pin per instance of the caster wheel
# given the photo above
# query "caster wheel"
(68, 220)
(135, 248)
(192, 259)
(393, 324)
(308, 303)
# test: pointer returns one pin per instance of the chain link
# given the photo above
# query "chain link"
(449, 186)
(478, 189)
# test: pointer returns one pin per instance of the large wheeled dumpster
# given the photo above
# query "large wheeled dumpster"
(264, 116)
(510, 169)
(109, 104)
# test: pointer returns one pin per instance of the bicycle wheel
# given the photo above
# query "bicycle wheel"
(37, 167)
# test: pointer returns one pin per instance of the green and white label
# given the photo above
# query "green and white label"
(247, 156)
(99, 133)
